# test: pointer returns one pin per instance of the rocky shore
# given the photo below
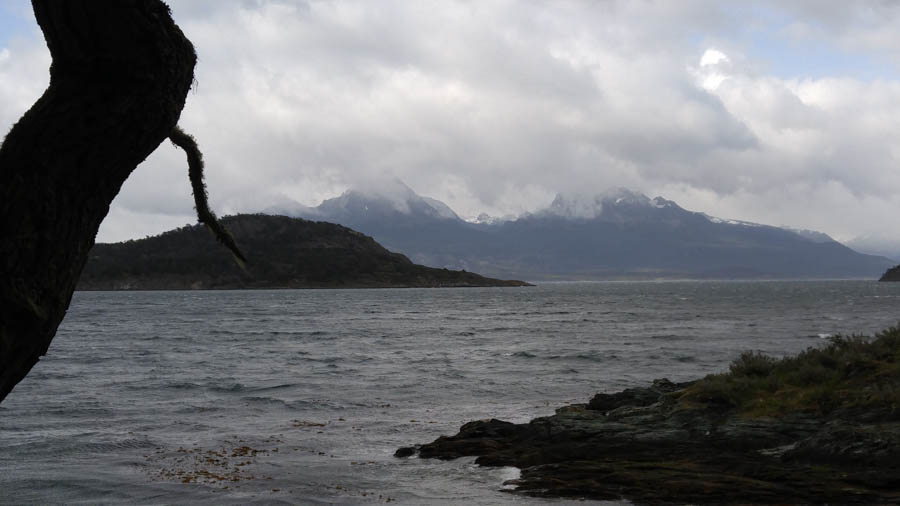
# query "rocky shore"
(718, 440)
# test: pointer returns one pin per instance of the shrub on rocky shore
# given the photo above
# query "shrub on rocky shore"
(819, 427)
(849, 375)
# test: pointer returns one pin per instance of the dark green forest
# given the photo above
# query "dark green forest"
(282, 252)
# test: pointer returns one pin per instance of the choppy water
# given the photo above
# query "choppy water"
(303, 396)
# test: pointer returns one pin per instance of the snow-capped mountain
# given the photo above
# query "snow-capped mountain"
(385, 201)
(812, 235)
(618, 204)
(391, 200)
(614, 234)
(486, 219)
(741, 223)
(587, 206)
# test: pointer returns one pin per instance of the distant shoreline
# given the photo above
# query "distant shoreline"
(532, 283)
(280, 288)
(694, 280)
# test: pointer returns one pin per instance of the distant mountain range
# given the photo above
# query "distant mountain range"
(283, 252)
(619, 234)
(877, 246)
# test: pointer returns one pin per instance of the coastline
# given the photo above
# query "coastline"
(500, 284)
(716, 440)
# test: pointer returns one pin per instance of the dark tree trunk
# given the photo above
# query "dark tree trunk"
(121, 72)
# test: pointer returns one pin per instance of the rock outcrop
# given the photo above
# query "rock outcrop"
(819, 427)
(645, 446)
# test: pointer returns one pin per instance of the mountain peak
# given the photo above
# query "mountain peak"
(380, 199)
(391, 191)
(619, 195)
(660, 203)
(576, 205)
(486, 219)
(591, 206)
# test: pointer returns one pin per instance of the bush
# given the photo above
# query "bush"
(752, 363)
(850, 373)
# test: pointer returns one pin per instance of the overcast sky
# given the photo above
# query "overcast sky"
(785, 113)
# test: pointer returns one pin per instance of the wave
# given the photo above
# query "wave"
(181, 385)
(593, 356)
(256, 399)
(197, 409)
(310, 333)
(228, 388)
(131, 443)
(319, 360)
(272, 387)
(589, 356)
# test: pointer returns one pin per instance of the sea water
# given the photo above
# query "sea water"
(302, 396)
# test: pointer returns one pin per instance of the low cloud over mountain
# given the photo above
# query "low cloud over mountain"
(608, 235)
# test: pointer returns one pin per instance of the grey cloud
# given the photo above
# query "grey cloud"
(497, 105)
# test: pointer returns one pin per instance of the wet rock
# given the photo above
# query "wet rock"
(637, 397)
(644, 446)
(475, 438)
(406, 451)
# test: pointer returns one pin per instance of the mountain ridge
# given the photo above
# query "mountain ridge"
(617, 234)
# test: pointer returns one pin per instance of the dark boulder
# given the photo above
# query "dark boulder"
(635, 397)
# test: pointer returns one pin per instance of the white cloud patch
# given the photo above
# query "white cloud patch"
(495, 106)
(23, 78)
(713, 57)
(714, 69)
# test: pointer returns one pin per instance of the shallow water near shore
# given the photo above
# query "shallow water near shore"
(302, 396)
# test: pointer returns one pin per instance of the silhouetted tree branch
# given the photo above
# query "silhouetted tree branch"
(120, 74)
(195, 172)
